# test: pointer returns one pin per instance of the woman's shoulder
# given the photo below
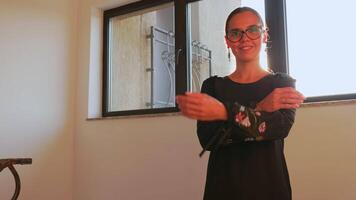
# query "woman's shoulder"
(211, 83)
(281, 75)
(212, 79)
(283, 80)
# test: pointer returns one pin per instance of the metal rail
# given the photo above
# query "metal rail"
(9, 163)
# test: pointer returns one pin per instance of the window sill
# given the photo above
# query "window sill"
(329, 103)
(135, 116)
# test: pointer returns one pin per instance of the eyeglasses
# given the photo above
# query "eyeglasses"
(253, 32)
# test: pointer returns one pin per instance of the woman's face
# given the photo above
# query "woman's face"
(246, 49)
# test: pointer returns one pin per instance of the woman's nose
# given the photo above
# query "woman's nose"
(244, 37)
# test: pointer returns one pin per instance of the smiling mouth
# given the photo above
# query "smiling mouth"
(245, 48)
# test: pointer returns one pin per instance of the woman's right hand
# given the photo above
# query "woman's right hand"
(201, 106)
(281, 98)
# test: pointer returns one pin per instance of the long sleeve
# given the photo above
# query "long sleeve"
(261, 125)
(207, 129)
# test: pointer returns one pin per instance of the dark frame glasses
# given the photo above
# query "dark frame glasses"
(252, 32)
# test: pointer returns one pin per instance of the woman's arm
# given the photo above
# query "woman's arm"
(260, 125)
(206, 130)
(273, 117)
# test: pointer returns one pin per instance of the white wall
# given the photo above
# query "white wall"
(37, 77)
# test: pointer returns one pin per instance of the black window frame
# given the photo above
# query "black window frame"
(277, 55)
(126, 9)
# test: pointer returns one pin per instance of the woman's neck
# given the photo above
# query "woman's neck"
(247, 72)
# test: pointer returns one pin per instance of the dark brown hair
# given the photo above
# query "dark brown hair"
(241, 10)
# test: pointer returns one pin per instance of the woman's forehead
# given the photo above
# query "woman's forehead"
(244, 20)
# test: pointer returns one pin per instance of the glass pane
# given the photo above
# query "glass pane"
(141, 60)
(208, 54)
(322, 64)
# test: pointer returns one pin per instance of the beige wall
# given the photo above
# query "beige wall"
(37, 72)
(321, 153)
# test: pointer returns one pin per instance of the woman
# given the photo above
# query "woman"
(250, 112)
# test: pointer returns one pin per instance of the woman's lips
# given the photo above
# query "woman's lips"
(245, 48)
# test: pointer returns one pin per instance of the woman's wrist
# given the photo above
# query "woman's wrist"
(222, 113)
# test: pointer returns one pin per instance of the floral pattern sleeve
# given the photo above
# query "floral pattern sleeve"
(258, 126)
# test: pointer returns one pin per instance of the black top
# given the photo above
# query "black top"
(250, 163)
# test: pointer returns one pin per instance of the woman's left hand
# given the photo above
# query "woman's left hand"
(201, 106)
